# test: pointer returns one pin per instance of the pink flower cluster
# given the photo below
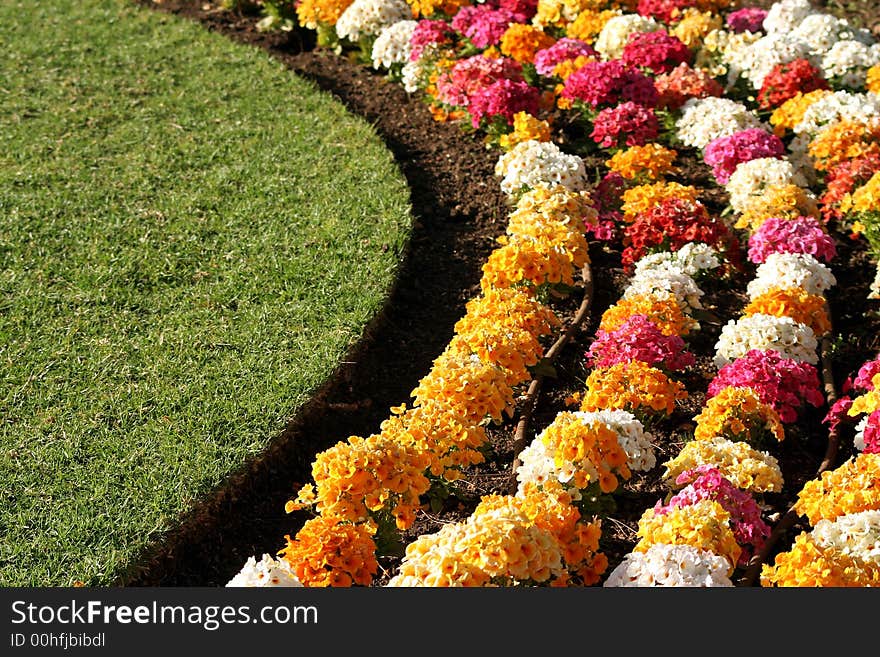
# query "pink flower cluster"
(470, 75)
(630, 124)
(484, 25)
(871, 435)
(607, 198)
(783, 383)
(604, 84)
(658, 51)
(866, 373)
(503, 98)
(797, 235)
(563, 50)
(747, 19)
(428, 32)
(638, 338)
(665, 11)
(725, 153)
(683, 83)
(707, 483)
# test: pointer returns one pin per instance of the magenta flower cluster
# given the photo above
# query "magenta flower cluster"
(428, 32)
(503, 98)
(523, 10)
(707, 483)
(658, 51)
(604, 84)
(866, 373)
(725, 153)
(783, 383)
(797, 235)
(747, 19)
(468, 76)
(630, 124)
(638, 338)
(871, 435)
(482, 24)
(563, 50)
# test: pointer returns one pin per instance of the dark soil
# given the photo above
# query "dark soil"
(459, 210)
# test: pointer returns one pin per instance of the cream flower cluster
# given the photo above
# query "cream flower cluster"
(784, 16)
(856, 535)
(759, 331)
(616, 31)
(847, 62)
(759, 58)
(837, 106)
(414, 75)
(744, 466)
(691, 259)
(789, 270)
(531, 163)
(392, 44)
(752, 177)
(668, 565)
(366, 18)
(266, 572)
(820, 32)
(705, 119)
(661, 281)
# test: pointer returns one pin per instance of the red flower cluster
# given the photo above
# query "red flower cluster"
(665, 11)
(683, 83)
(785, 80)
(670, 224)
(842, 179)
(658, 51)
(605, 84)
(629, 124)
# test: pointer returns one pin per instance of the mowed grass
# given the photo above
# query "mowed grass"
(190, 240)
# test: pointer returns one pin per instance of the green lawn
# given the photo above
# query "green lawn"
(190, 238)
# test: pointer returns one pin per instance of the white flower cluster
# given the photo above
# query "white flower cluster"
(537, 466)
(859, 438)
(266, 572)
(668, 565)
(616, 31)
(820, 32)
(789, 270)
(631, 434)
(785, 15)
(705, 119)
(847, 62)
(691, 259)
(414, 75)
(759, 331)
(531, 163)
(752, 177)
(392, 45)
(856, 535)
(756, 60)
(366, 18)
(662, 280)
(837, 106)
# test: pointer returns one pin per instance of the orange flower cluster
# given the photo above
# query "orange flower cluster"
(809, 309)
(809, 564)
(589, 24)
(521, 41)
(782, 201)
(738, 413)
(844, 140)
(427, 8)
(704, 525)
(665, 312)
(633, 386)
(525, 128)
(314, 13)
(331, 552)
(642, 198)
(586, 451)
(791, 112)
(357, 479)
(849, 488)
(650, 162)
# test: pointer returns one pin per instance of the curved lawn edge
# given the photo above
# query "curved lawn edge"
(190, 247)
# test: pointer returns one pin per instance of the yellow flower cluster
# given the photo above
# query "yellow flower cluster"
(665, 312)
(558, 204)
(783, 201)
(587, 452)
(564, 69)
(867, 402)
(476, 390)
(521, 41)
(651, 161)
(794, 302)
(745, 467)
(872, 79)
(588, 24)
(808, 564)
(694, 25)
(704, 525)
(331, 552)
(642, 198)
(849, 488)
(865, 199)
(435, 429)
(558, 13)
(358, 478)
(632, 386)
(312, 13)
(738, 413)
(791, 112)
(427, 8)
(844, 140)
(525, 128)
